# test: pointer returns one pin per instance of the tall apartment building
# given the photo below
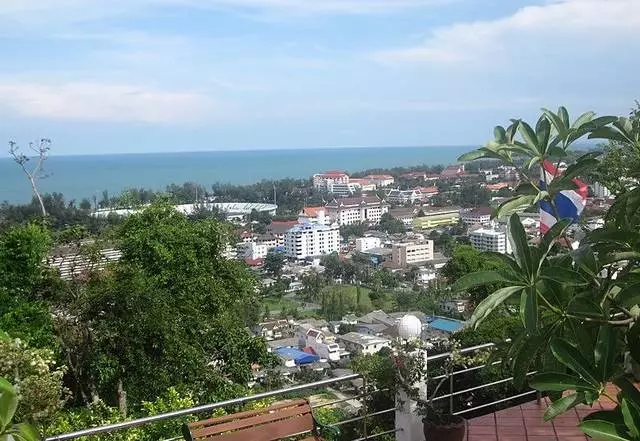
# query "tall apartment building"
(490, 240)
(349, 211)
(308, 240)
(322, 181)
(411, 253)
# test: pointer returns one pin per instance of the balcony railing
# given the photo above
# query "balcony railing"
(364, 417)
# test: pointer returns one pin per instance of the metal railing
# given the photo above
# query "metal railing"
(451, 377)
(365, 417)
(243, 400)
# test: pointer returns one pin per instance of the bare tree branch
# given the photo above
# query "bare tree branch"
(41, 149)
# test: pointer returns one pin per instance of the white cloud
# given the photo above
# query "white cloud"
(104, 102)
(549, 24)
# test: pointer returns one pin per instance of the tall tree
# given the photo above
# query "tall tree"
(41, 149)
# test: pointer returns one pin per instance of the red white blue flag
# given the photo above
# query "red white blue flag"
(569, 203)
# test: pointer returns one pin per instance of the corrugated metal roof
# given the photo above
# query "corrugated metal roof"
(298, 356)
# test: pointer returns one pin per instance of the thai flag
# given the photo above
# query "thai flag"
(569, 203)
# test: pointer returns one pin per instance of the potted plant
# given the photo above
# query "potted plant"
(580, 307)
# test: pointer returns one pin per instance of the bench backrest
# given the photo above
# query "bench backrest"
(269, 424)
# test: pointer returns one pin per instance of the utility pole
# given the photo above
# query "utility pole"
(275, 198)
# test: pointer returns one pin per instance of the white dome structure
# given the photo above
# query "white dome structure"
(410, 327)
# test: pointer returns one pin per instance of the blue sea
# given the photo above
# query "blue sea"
(80, 177)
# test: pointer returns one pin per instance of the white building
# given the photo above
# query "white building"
(321, 181)
(341, 189)
(485, 239)
(308, 240)
(254, 250)
(363, 184)
(349, 211)
(381, 180)
(481, 215)
(425, 276)
(459, 306)
(313, 215)
(406, 254)
(323, 343)
(366, 243)
(363, 344)
(600, 191)
(404, 196)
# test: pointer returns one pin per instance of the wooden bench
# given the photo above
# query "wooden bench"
(282, 420)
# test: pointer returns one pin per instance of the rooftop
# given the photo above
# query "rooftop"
(355, 201)
(363, 339)
(480, 211)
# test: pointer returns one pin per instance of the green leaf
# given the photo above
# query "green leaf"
(543, 132)
(584, 306)
(617, 257)
(526, 188)
(504, 258)
(585, 259)
(26, 432)
(583, 119)
(8, 405)
(564, 116)
(524, 356)
(629, 390)
(563, 275)
(631, 415)
(610, 134)
(529, 310)
(500, 135)
(480, 278)
(557, 381)
(629, 296)
(529, 135)
(556, 151)
(605, 351)
(574, 360)
(511, 130)
(519, 244)
(601, 426)
(486, 306)
(560, 406)
(514, 204)
(633, 341)
(473, 155)
(557, 122)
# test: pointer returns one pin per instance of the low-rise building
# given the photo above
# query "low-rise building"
(321, 181)
(426, 276)
(358, 343)
(342, 189)
(404, 196)
(313, 215)
(485, 239)
(252, 250)
(381, 180)
(349, 211)
(411, 253)
(362, 184)
(279, 228)
(309, 240)
(428, 192)
(460, 306)
(437, 217)
(480, 215)
(405, 215)
(366, 243)
(452, 171)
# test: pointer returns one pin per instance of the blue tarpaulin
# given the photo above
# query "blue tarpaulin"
(299, 357)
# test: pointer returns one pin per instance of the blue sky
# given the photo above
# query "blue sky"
(115, 76)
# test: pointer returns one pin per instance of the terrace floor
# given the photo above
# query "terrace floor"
(525, 423)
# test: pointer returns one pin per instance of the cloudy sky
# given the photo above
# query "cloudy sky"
(111, 76)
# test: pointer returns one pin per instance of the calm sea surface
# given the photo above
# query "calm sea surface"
(78, 177)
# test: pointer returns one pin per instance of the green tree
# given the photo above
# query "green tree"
(390, 224)
(171, 312)
(274, 264)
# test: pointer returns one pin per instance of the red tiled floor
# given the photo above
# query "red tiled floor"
(525, 423)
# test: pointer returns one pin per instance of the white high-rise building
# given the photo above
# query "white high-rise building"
(600, 191)
(490, 240)
(308, 240)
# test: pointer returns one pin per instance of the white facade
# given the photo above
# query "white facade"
(490, 240)
(322, 181)
(600, 191)
(458, 306)
(323, 344)
(381, 180)
(480, 216)
(307, 240)
(363, 343)
(349, 211)
(406, 254)
(366, 243)
(424, 276)
(341, 189)
(254, 250)
(405, 196)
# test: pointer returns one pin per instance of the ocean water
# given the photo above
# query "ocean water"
(80, 177)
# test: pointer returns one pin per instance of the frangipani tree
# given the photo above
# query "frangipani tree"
(579, 308)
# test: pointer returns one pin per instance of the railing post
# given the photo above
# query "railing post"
(451, 393)
(365, 435)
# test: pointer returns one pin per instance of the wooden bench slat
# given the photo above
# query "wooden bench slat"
(263, 419)
(245, 414)
(271, 432)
